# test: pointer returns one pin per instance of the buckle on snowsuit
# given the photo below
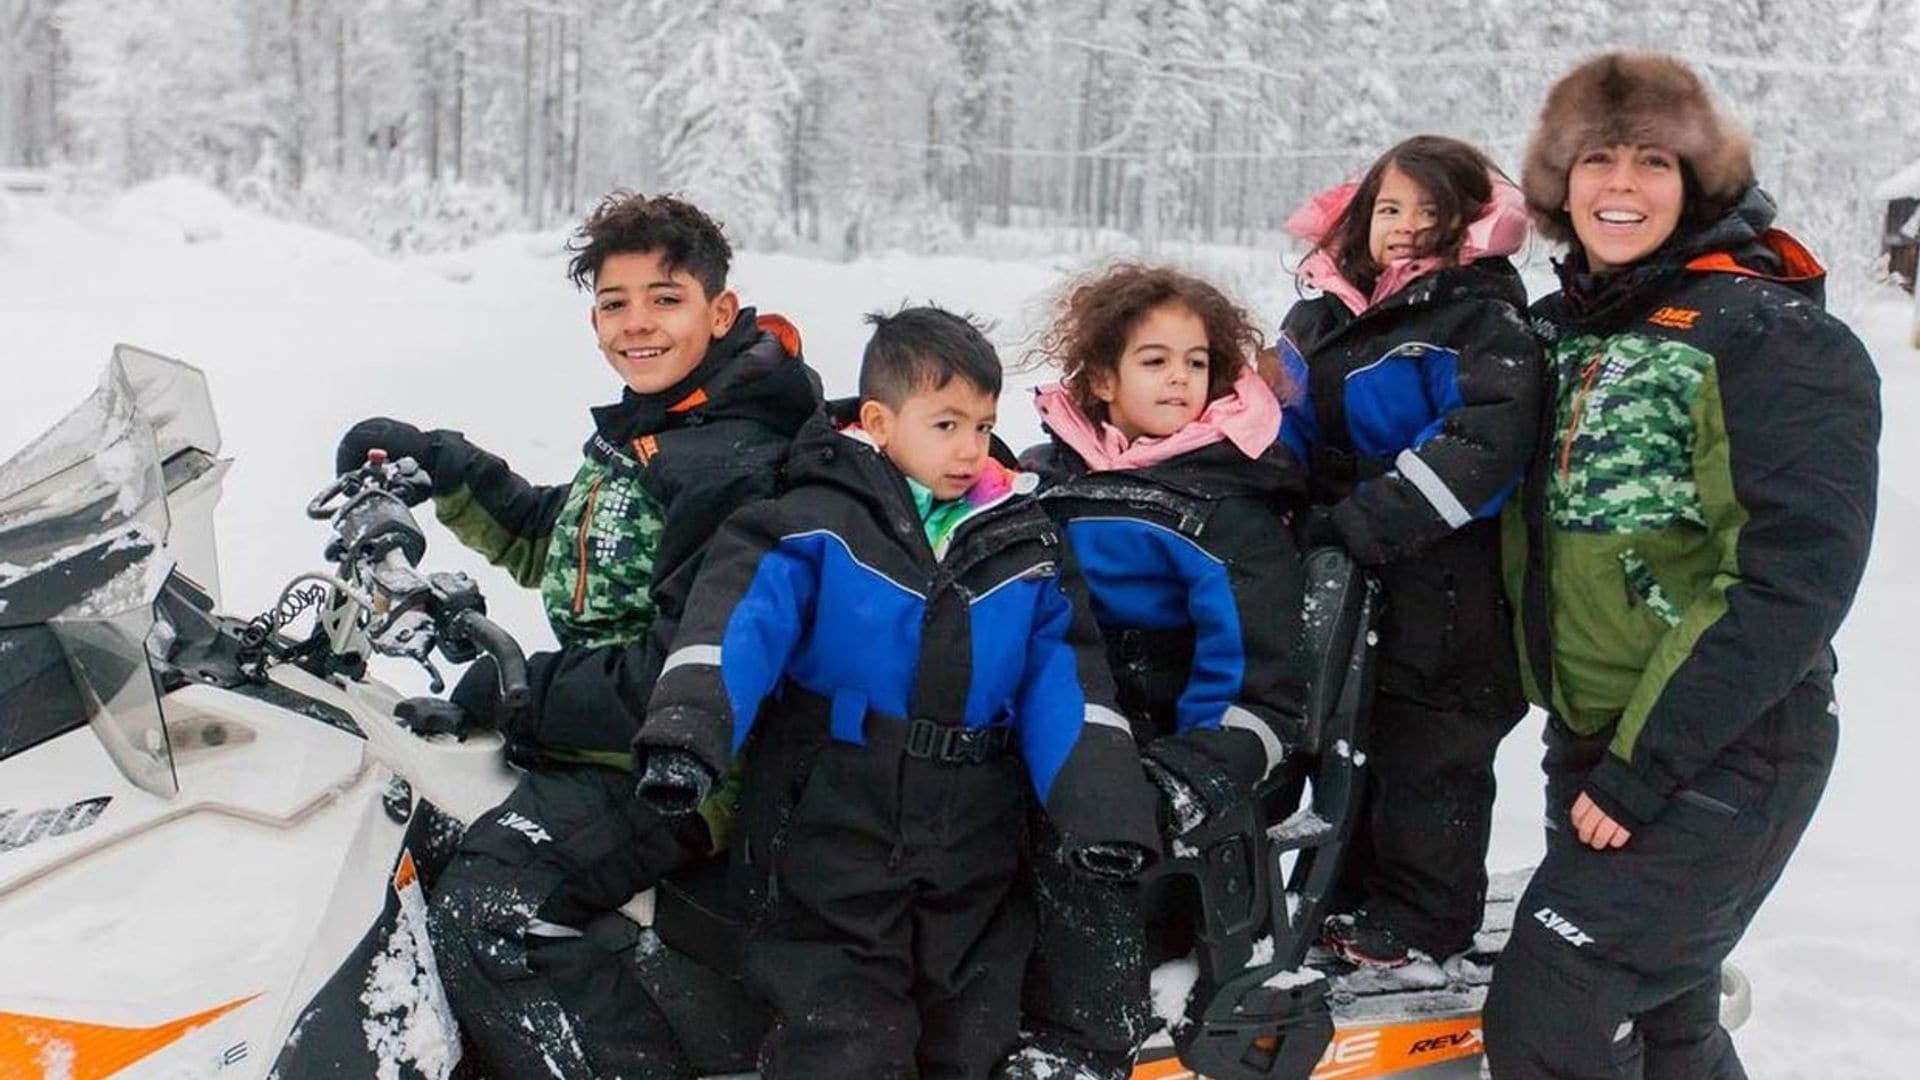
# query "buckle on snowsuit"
(952, 745)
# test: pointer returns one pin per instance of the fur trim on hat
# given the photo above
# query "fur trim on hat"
(1640, 99)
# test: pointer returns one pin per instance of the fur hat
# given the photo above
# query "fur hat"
(1643, 99)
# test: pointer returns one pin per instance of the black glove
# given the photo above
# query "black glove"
(397, 437)
(1318, 530)
(478, 694)
(674, 782)
(643, 849)
(1181, 808)
(1201, 774)
(1111, 862)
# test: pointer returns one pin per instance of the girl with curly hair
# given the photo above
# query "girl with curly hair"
(1168, 477)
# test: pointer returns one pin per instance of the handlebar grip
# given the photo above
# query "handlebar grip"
(318, 507)
(497, 643)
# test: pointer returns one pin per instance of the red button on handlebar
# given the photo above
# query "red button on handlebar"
(376, 456)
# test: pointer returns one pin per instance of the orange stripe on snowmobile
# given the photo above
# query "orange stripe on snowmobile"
(1358, 1053)
(1364, 1052)
(45, 1046)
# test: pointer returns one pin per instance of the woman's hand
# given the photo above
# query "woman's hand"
(1595, 828)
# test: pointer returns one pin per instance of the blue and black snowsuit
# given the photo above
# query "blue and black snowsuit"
(897, 706)
(1416, 417)
(1196, 583)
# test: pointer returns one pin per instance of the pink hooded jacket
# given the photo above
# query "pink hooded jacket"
(1499, 230)
(1248, 416)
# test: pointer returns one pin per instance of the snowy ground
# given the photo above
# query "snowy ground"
(301, 333)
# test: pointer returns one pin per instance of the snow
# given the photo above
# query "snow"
(301, 333)
(1172, 983)
(56, 1059)
(1904, 184)
(408, 1019)
(1288, 980)
(1301, 824)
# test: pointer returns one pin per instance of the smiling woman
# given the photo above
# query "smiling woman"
(1694, 528)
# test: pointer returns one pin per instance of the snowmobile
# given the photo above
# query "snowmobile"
(214, 843)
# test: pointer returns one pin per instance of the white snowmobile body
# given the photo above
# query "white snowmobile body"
(195, 881)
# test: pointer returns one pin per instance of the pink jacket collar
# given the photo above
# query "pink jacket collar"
(1248, 417)
(1498, 231)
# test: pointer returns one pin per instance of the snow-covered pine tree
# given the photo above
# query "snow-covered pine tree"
(136, 109)
(26, 82)
(712, 77)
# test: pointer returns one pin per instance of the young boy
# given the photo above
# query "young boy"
(533, 961)
(899, 645)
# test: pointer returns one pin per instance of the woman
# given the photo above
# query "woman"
(1695, 529)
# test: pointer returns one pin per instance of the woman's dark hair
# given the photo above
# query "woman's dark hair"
(1094, 316)
(1456, 176)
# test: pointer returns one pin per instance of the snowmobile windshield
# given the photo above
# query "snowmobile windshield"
(84, 524)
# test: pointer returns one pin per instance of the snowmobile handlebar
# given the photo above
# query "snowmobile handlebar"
(403, 479)
(378, 546)
(492, 638)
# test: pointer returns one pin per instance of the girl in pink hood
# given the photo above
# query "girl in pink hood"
(1414, 394)
(1166, 473)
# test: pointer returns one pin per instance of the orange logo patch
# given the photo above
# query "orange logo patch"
(1675, 318)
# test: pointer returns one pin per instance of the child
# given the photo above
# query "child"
(1415, 390)
(1167, 474)
(711, 397)
(891, 644)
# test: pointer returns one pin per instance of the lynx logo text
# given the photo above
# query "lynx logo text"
(19, 828)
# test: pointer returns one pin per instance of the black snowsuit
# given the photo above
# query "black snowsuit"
(1238, 595)
(1695, 529)
(539, 969)
(898, 707)
(1416, 417)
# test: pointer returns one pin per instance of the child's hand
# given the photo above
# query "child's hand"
(1595, 828)
(1181, 808)
(1319, 530)
(674, 781)
(397, 437)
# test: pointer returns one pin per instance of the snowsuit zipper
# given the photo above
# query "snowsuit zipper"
(582, 541)
(1579, 408)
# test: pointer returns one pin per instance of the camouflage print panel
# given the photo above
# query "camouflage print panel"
(1624, 434)
(1641, 580)
(600, 560)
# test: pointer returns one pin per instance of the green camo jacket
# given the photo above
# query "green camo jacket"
(614, 552)
(1698, 514)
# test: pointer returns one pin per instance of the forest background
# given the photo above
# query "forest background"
(835, 128)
